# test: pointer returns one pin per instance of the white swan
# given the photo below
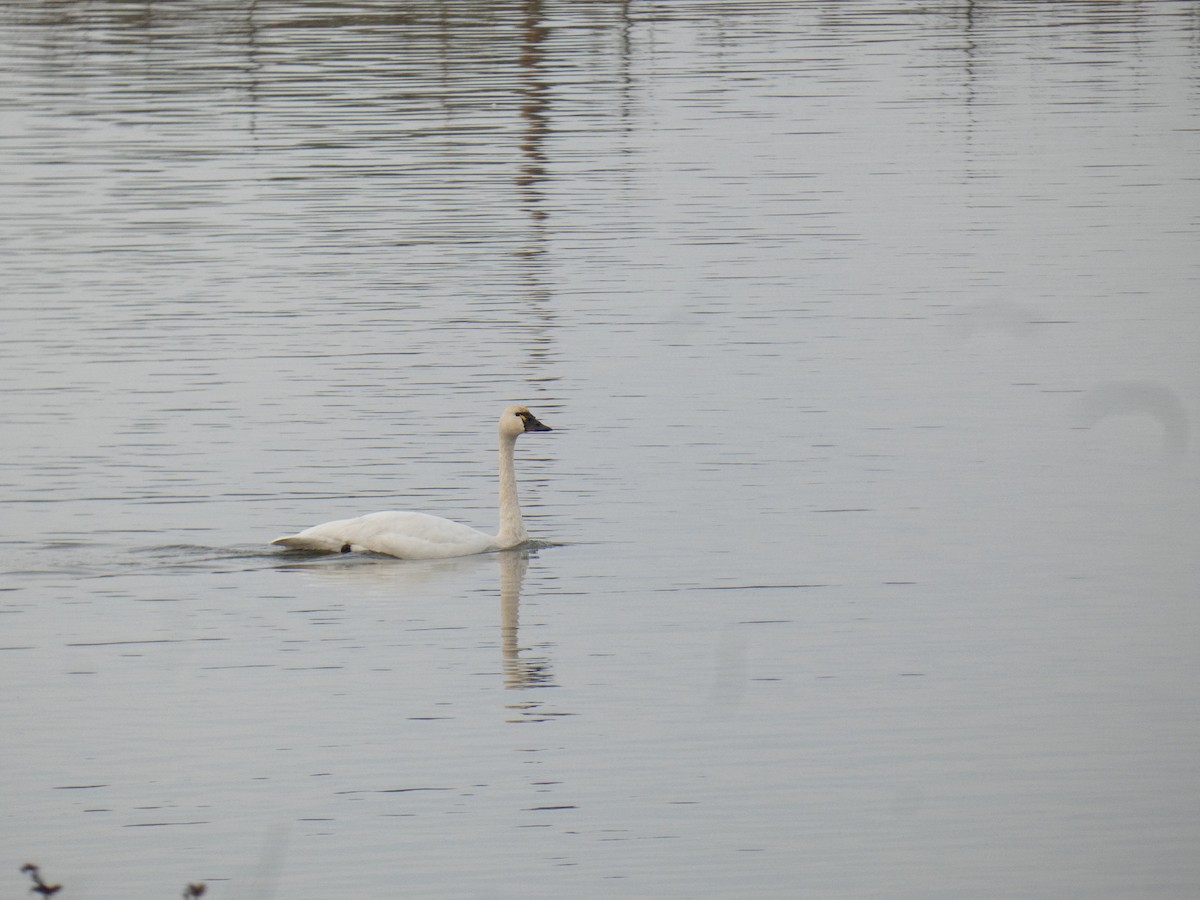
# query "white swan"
(412, 535)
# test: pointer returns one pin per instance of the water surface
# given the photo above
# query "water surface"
(867, 528)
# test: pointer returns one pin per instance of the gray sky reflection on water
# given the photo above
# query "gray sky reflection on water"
(868, 337)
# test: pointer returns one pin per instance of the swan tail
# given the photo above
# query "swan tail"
(310, 542)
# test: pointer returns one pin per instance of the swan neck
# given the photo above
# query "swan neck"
(512, 529)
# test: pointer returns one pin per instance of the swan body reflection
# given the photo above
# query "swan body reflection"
(413, 535)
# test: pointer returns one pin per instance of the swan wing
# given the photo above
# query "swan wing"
(408, 535)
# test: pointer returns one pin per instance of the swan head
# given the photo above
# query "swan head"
(517, 419)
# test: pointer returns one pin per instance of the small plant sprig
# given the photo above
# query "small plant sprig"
(192, 892)
(39, 886)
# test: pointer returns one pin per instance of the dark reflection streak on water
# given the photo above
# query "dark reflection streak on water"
(969, 88)
(534, 110)
(253, 72)
(625, 119)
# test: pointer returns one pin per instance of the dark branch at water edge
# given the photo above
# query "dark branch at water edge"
(39, 886)
(192, 891)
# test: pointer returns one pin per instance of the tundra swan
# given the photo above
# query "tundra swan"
(412, 535)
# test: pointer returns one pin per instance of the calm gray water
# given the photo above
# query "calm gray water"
(868, 528)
